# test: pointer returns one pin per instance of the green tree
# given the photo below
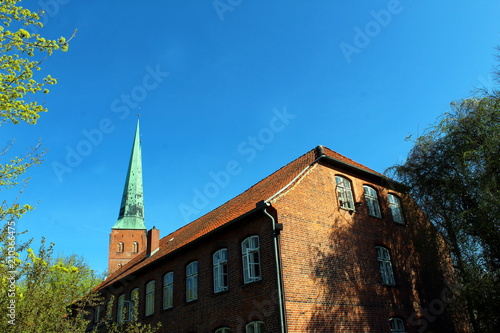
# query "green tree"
(35, 291)
(453, 172)
(21, 57)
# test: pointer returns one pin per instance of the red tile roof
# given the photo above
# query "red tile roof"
(241, 204)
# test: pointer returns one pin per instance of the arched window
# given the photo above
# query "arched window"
(344, 192)
(135, 247)
(371, 199)
(255, 327)
(251, 259)
(109, 308)
(395, 205)
(223, 330)
(97, 314)
(397, 325)
(120, 247)
(134, 305)
(220, 270)
(192, 281)
(150, 298)
(121, 311)
(384, 260)
(168, 290)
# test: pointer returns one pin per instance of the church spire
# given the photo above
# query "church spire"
(132, 207)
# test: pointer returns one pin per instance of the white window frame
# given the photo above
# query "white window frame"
(385, 265)
(396, 210)
(150, 298)
(192, 281)
(120, 310)
(223, 330)
(220, 270)
(371, 198)
(397, 325)
(121, 247)
(345, 193)
(250, 248)
(255, 327)
(168, 290)
(134, 304)
(135, 247)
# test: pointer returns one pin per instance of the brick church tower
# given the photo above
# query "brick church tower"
(128, 235)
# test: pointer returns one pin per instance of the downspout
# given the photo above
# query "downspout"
(277, 227)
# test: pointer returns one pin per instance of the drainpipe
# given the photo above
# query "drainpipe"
(277, 227)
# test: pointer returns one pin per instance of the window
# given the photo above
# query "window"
(220, 270)
(109, 308)
(150, 298)
(192, 281)
(397, 325)
(168, 290)
(371, 199)
(121, 311)
(251, 259)
(223, 330)
(384, 260)
(255, 327)
(135, 247)
(120, 247)
(344, 192)
(97, 314)
(395, 205)
(134, 305)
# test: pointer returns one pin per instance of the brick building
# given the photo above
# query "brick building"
(324, 244)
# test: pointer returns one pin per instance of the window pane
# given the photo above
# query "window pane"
(120, 313)
(134, 308)
(168, 290)
(395, 206)
(192, 281)
(344, 193)
(384, 260)
(251, 259)
(150, 298)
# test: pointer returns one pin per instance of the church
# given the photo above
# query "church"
(324, 244)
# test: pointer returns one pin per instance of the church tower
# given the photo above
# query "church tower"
(128, 235)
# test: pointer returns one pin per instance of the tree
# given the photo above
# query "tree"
(453, 172)
(21, 57)
(35, 291)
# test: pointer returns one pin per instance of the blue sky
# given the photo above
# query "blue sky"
(244, 85)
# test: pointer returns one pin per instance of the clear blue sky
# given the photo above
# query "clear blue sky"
(209, 83)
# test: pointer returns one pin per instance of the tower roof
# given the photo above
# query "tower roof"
(131, 214)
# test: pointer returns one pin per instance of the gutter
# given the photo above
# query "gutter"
(277, 227)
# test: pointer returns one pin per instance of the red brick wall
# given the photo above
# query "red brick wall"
(331, 273)
(233, 308)
(128, 237)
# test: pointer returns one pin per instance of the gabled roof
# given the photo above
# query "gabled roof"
(236, 207)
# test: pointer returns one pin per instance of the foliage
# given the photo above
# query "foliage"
(36, 289)
(453, 172)
(21, 56)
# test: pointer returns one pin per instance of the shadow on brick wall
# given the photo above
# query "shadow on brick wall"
(351, 295)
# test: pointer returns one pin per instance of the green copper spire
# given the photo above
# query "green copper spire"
(132, 208)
